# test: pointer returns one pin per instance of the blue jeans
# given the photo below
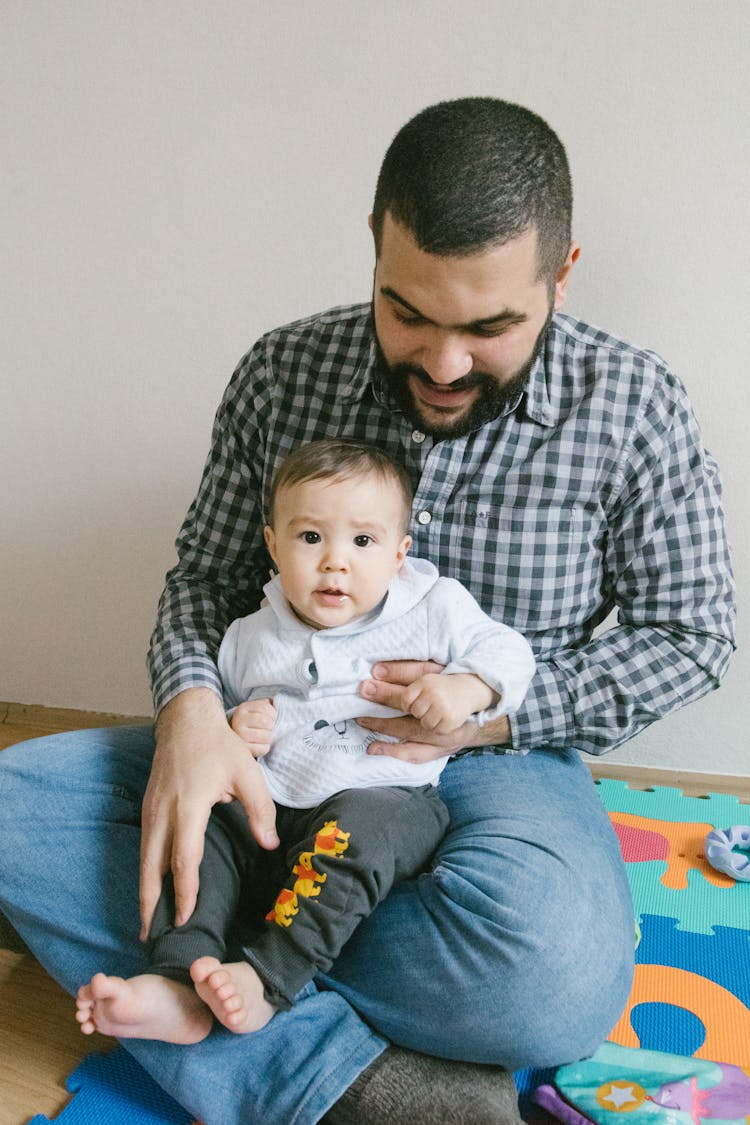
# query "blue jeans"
(515, 950)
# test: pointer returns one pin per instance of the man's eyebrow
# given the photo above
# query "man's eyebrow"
(507, 316)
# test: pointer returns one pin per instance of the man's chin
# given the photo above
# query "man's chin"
(444, 423)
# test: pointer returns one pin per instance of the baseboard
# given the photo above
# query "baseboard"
(62, 718)
(50, 719)
(689, 782)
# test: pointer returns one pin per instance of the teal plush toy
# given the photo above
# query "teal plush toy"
(636, 1087)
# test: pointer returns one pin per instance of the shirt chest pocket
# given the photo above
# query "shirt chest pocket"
(542, 562)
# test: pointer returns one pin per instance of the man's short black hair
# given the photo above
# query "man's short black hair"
(466, 175)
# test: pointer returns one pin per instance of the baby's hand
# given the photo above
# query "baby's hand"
(254, 722)
(444, 702)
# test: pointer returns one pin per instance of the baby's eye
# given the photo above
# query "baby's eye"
(311, 537)
(362, 540)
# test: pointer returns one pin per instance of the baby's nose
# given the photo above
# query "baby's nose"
(334, 561)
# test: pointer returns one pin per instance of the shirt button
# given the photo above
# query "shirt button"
(424, 517)
(417, 436)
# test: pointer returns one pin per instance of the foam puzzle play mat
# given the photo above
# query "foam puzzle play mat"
(679, 1055)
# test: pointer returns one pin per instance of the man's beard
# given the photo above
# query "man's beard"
(492, 401)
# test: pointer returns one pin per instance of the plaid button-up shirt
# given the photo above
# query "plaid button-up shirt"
(594, 491)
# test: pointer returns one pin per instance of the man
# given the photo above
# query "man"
(559, 473)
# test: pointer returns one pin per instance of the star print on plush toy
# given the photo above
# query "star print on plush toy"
(621, 1096)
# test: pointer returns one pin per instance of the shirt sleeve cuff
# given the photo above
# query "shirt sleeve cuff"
(188, 673)
(542, 719)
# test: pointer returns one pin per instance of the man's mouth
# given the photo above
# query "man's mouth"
(454, 395)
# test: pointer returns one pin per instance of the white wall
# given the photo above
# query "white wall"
(180, 176)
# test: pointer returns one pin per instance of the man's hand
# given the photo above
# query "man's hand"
(254, 721)
(389, 686)
(199, 762)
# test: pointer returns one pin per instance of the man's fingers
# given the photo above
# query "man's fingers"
(414, 742)
(253, 792)
(402, 728)
(394, 682)
(187, 853)
(414, 752)
(155, 851)
(404, 671)
(390, 695)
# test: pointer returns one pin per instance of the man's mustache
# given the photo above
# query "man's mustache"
(465, 383)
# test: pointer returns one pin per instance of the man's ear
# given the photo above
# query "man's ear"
(375, 249)
(563, 277)
(270, 538)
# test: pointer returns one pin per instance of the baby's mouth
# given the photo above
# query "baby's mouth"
(331, 594)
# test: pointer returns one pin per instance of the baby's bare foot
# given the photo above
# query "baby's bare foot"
(233, 992)
(144, 1007)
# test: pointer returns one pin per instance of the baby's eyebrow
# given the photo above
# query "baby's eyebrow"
(355, 526)
(368, 525)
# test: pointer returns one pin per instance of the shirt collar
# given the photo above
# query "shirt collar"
(366, 379)
(536, 395)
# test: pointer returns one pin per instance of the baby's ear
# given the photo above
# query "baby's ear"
(270, 538)
(403, 550)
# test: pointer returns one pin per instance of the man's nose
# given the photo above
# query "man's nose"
(447, 358)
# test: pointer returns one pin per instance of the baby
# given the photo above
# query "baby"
(350, 823)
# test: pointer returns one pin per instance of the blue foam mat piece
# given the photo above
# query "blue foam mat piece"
(114, 1089)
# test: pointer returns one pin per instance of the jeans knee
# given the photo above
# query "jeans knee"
(529, 985)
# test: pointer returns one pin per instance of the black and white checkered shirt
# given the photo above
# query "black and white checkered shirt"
(593, 492)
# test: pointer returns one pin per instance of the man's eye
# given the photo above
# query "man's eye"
(362, 540)
(311, 537)
(408, 318)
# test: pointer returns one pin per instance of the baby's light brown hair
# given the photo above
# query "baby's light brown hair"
(341, 459)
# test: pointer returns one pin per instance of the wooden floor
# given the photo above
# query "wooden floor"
(40, 1043)
(39, 1039)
